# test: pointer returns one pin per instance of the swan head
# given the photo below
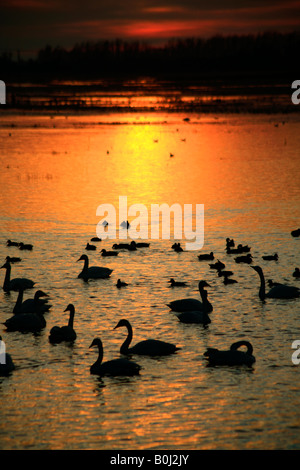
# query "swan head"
(70, 308)
(40, 293)
(122, 322)
(83, 258)
(96, 342)
(257, 269)
(6, 264)
(203, 284)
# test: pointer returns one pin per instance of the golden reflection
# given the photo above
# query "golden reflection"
(62, 174)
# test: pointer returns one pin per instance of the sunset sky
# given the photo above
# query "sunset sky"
(28, 25)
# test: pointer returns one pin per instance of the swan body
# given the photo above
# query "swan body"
(93, 272)
(115, 367)
(186, 305)
(34, 305)
(244, 259)
(6, 363)
(228, 280)
(142, 244)
(177, 247)
(240, 249)
(194, 317)
(209, 256)
(27, 246)
(296, 273)
(26, 322)
(11, 243)
(108, 253)
(278, 291)
(174, 283)
(148, 347)
(295, 233)
(121, 283)
(96, 239)
(224, 273)
(64, 333)
(16, 283)
(232, 357)
(270, 257)
(218, 265)
(90, 247)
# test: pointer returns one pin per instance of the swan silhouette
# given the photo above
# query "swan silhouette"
(209, 256)
(16, 283)
(200, 317)
(121, 283)
(93, 272)
(227, 280)
(185, 305)
(34, 305)
(6, 363)
(232, 357)
(296, 273)
(218, 265)
(13, 259)
(108, 253)
(96, 239)
(26, 322)
(148, 347)
(270, 257)
(174, 283)
(27, 246)
(278, 291)
(11, 243)
(115, 367)
(244, 259)
(64, 333)
(90, 247)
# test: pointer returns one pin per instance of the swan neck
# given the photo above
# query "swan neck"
(262, 289)
(7, 277)
(71, 319)
(19, 301)
(100, 354)
(125, 345)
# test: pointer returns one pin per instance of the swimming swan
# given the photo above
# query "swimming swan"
(6, 362)
(26, 322)
(232, 357)
(199, 317)
(174, 283)
(121, 284)
(64, 333)
(31, 305)
(186, 305)
(94, 272)
(278, 291)
(120, 366)
(14, 284)
(104, 252)
(148, 347)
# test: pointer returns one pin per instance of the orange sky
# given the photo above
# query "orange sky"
(31, 24)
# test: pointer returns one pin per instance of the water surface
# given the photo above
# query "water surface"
(56, 170)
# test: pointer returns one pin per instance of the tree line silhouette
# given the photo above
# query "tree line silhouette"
(266, 54)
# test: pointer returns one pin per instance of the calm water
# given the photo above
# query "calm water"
(55, 171)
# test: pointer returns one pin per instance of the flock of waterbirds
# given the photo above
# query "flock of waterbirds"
(29, 314)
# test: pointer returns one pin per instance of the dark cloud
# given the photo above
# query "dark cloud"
(31, 24)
